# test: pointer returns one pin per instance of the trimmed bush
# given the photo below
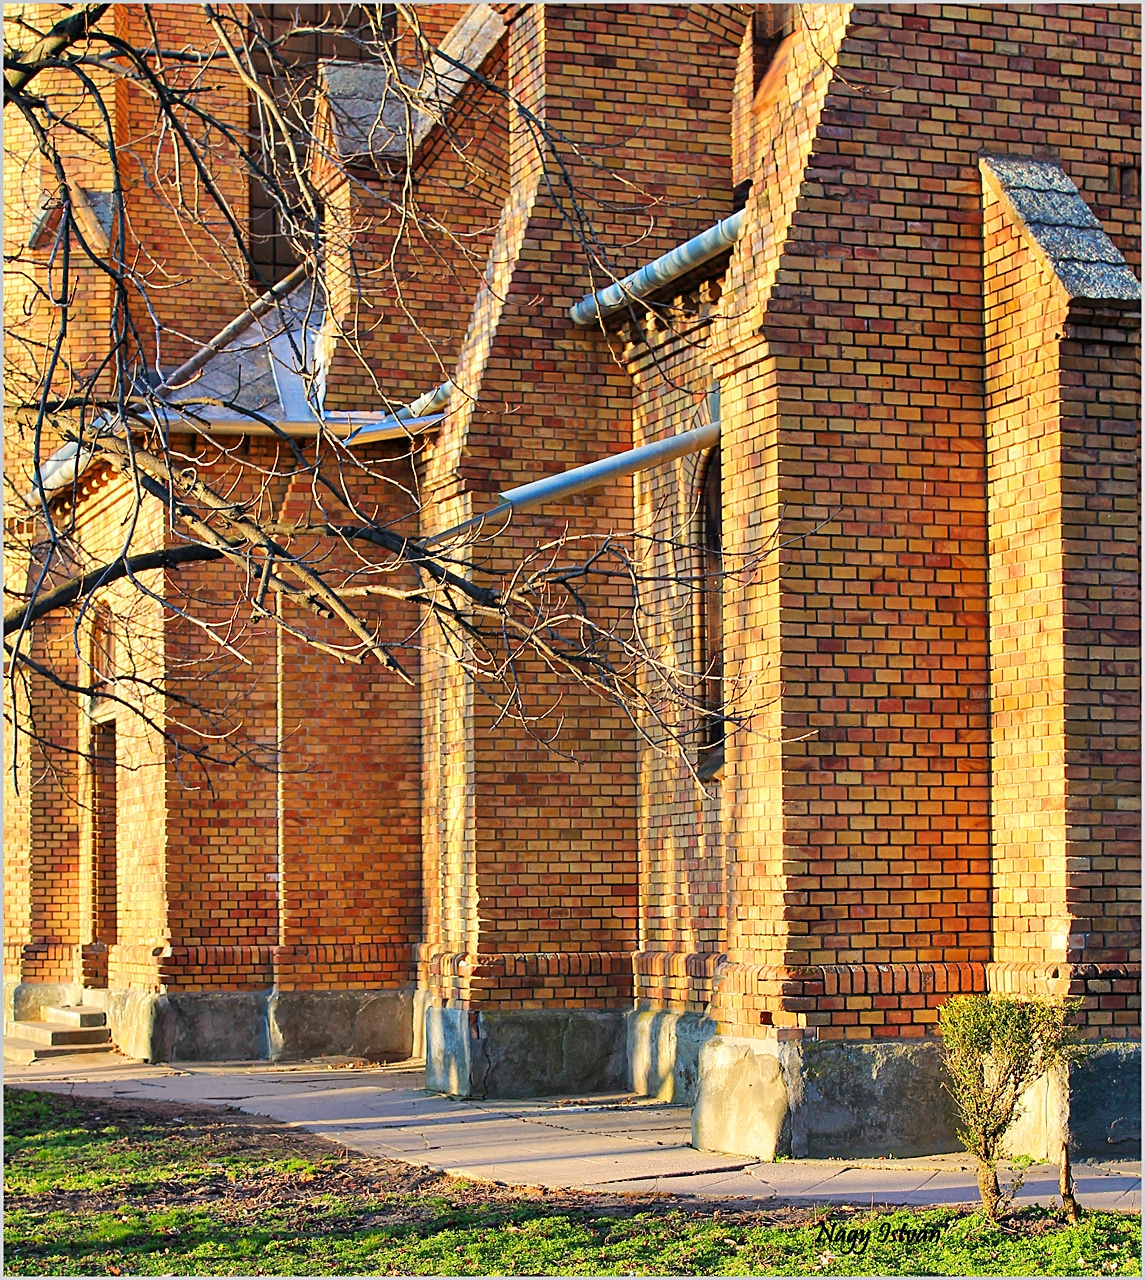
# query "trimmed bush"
(995, 1048)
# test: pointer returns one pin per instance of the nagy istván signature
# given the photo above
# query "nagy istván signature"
(848, 1239)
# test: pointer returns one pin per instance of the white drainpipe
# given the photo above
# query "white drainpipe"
(594, 307)
(528, 497)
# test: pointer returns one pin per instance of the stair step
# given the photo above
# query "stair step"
(74, 1015)
(22, 1053)
(57, 1034)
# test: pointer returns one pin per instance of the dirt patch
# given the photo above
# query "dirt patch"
(389, 1191)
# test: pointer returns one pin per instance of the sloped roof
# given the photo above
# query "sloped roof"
(93, 213)
(272, 368)
(267, 369)
(1063, 228)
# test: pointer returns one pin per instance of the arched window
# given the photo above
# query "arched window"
(102, 663)
(711, 618)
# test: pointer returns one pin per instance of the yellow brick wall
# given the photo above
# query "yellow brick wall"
(936, 792)
(1024, 308)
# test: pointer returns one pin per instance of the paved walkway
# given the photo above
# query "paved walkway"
(615, 1143)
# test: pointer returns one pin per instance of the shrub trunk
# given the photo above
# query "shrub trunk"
(989, 1190)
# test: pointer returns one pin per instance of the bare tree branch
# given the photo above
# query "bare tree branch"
(76, 588)
(587, 611)
(21, 66)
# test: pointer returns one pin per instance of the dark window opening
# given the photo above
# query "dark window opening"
(271, 250)
(105, 896)
(1128, 179)
(289, 41)
(102, 654)
(711, 619)
(770, 25)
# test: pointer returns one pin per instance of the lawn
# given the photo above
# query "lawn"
(94, 1187)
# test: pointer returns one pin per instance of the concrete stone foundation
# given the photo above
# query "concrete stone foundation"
(1094, 1102)
(1104, 1091)
(524, 1053)
(199, 1026)
(377, 1025)
(185, 1026)
(664, 1053)
(422, 1002)
(816, 1099)
(24, 1000)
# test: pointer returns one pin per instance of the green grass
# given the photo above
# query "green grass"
(325, 1241)
(97, 1188)
(56, 1145)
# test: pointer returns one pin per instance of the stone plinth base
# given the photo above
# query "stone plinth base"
(24, 1000)
(530, 1053)
(242, 1026)
(1094, 1103)
(664, 1053)
(377, 1025)
(807, 1098)
(190, 1026)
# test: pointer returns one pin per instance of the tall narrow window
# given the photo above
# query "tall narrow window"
(711, 619)
(105, 897)
(102, 655)
(289, 41)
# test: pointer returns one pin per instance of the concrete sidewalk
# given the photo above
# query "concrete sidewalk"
(615, 1143)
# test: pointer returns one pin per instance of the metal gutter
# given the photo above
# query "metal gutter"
(351, 425)
(419, 414)
(340, 425)
(61, 469)
(528, 497)
(304, 430)
(594, 307)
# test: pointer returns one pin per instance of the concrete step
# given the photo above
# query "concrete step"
(74, 1015)
(56, 1034)
(22, 1053)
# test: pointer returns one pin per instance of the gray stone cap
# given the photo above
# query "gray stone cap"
(371, 112)
(93, 211)
(385, 112)
(1063, 229)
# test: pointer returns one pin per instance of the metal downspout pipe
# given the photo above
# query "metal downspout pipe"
(528, 497)
(594, 307)
(240, 324)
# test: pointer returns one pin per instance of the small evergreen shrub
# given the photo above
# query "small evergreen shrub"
(995, 1048)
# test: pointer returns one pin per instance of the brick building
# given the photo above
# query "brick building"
(923, 330)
